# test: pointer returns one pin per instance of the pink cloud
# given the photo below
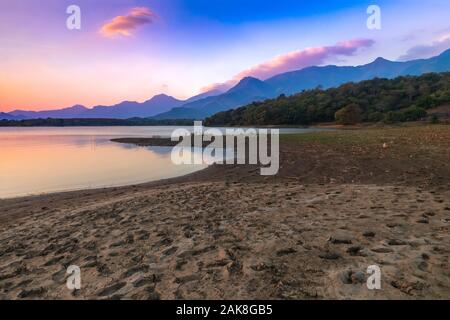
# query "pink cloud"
(125, 25)
(296, 60)
(426, 51)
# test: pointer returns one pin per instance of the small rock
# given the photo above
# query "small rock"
(354, 250)
(170, 251)
(422, 265)
(117, 244)
(330, 256)
(32, 293)
(395, 242)
(142, 282)
(346, 277)
(188, 278)
(284, 252)
(358, 277)
(351, 277)
(111, 289)
(392, 225)
(339, 240)
(369, 234)
(382, 250)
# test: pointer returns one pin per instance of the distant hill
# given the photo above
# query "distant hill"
(124, 110)
(332, 76)
(405, 98)
(72, 112)
(128, 109)
(247, 90)
(7, 116)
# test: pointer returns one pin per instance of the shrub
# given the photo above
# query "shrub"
(414, 113)
(350, 114)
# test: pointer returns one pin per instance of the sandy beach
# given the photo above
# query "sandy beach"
(340, 203)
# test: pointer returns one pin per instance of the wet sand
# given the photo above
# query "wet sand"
(340, 203)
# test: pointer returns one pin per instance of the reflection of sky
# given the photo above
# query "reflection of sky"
(43, 163)
(189, 45)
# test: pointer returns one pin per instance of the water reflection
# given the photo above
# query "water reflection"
(31, 164)
(40, 160)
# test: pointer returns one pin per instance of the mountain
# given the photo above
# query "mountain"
(247, 90)
(333, 76)
(251, 89)
(72, 112)
(214, 92)
(7, 116)
(124, 110)
(129, 109)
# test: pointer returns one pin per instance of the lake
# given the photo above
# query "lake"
(43, 160)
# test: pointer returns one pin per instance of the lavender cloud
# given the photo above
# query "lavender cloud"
(426, 51)
(296, 60)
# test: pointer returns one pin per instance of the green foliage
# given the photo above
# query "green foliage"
(434, 119)
(414, 113)
(393, 116)
(391, 100)
(350, 114)
(375, 117)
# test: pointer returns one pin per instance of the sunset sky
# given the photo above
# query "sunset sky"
(132, 50)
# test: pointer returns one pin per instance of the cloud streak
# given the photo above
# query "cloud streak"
(296, 60)
(426, 51)
(125, 25)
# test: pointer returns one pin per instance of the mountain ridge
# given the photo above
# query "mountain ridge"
(328, 76)
(247, 90)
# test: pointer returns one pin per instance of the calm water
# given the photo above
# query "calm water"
(42, 160)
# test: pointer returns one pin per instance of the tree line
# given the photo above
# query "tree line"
(390, 100)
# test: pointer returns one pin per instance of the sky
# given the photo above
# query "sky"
(134, 49)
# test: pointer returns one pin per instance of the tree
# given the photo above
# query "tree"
(393, 116)
(375, 117)
(350, 114)
(414, 113)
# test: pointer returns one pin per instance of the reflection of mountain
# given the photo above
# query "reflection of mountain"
(160, 150)
(246, 91)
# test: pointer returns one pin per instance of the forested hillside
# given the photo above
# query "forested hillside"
(400, 99)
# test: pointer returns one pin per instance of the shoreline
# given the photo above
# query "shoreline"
(341, 202)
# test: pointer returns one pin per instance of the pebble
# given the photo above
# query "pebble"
(330, 256)
(339, 240)
(369, 234)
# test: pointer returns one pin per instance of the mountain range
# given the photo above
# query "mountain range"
(246, 91)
